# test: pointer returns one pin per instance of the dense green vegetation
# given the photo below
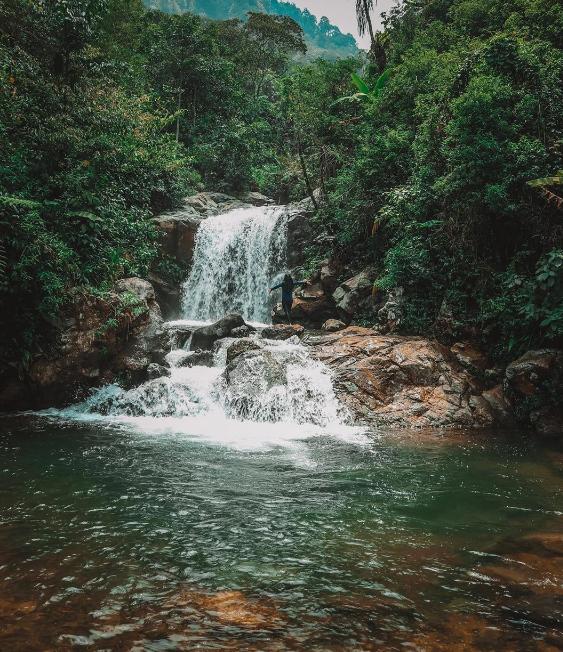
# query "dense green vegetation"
(322, 37)
(110, 113)
(435, 191)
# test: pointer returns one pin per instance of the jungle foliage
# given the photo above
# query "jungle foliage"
(435, 188)
(438, 157)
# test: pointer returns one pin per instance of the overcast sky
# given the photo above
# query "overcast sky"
(343, 14)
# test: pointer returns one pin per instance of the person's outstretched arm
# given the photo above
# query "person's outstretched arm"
(276, 287)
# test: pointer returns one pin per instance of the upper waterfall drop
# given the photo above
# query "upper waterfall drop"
(237, 256)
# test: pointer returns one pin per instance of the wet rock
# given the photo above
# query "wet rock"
(299, 231)
(150, 344)
(333, 325)
(178, 334)
(354, 294)
(501, 407)
(256, 199)
(241, 346)
(242, 331)
(249, 378)
(157, 371)
(282, 331)
(470, 357)
(205, 336)
(178, 231)
(390, 315)
(526, 375)
(402, 381)
(197, 359)
(206, 204)
(534, 384)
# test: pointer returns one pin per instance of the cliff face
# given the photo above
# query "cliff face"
(323, 38)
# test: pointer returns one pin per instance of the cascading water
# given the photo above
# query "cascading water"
(236, 257)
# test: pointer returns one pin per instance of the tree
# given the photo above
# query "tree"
(363, 9)
(275, 38)
(377, 40)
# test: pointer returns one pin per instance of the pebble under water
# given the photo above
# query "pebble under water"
(120, 536)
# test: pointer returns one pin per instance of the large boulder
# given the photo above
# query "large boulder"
(402, 381)
(177, 240)
(328, 275)
(205, 337)
(354, 295)
(103, 338)
(250, 379)
(390, 314)
(333, 325)
(311, 306)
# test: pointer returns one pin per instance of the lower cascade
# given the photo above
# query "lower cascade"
(238, 256)
(271, 382)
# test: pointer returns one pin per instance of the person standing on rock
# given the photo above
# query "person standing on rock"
(287, 286)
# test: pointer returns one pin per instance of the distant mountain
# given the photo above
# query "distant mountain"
(323, 38)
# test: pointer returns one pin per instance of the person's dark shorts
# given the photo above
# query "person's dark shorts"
(286, 305)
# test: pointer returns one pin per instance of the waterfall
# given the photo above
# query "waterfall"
(268, 390)
(237, 255)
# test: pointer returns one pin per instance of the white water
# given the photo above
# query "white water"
(237, 256)
(276, 395)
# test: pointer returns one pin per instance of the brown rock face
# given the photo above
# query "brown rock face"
(178, 231)
(402, 381)
(119, 334)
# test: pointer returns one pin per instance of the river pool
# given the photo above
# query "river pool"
(118, 535)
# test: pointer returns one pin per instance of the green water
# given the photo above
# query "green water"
(353, 544)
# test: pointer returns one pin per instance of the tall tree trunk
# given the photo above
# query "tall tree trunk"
(370, 26)
(306, 176)
(178, 116)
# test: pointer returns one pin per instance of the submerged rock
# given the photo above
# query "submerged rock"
(205, 336)
(196, 359)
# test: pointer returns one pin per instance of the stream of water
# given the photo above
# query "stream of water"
(190, 513)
